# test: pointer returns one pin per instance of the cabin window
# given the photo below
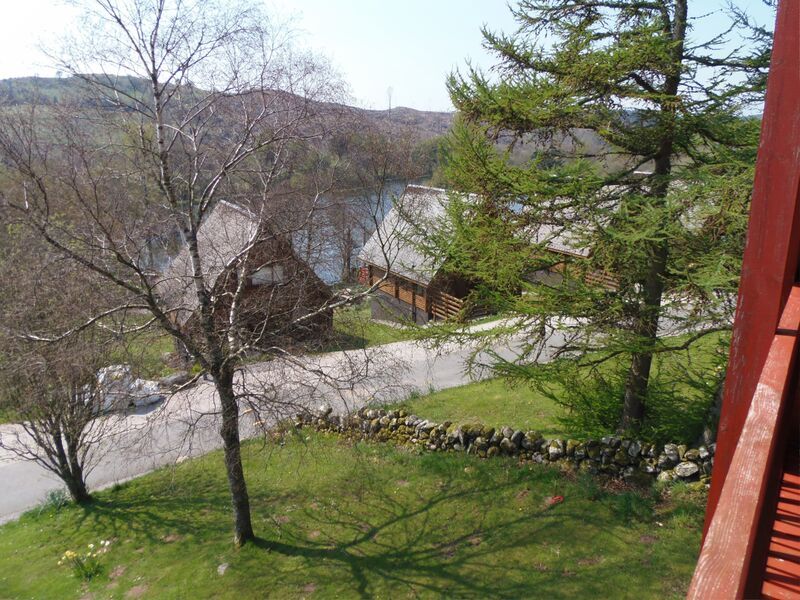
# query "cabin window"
(269, 275)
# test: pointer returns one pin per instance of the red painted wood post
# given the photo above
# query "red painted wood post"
(771, 253)
(731, 555)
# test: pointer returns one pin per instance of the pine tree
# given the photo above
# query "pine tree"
(642, 162)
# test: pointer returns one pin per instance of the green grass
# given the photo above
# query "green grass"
(370, 520)
(354, 329)
(146, 351)
(492, 402)
(684, 382)
(7, 415)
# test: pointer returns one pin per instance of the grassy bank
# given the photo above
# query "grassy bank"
(7, 415)
(368, 520)
(492, 402)
(354, 329)
(146, 350)
(683, 386)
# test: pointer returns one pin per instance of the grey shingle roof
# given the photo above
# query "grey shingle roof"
(222, 237)
(558, 240)
(399, 240)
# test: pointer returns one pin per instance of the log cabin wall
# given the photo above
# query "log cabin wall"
(442, 298)
(446, 296)
(554, 275)
(445, 306)
(398, 297)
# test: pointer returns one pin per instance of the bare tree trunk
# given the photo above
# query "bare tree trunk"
(709, 434)
(646, 331)
(69, 469)
(635, 390)
(638, 378)
(347, 255)
(242, 525)
(65, 460)
(76, 486)
(183, 354)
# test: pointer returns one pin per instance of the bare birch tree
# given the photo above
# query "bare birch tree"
(197, 105)
(54, 392)
(58, 400)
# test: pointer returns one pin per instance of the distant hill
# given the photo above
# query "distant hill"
(55, 90)
(420, 124)
(427, 123)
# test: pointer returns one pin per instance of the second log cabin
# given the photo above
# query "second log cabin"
(414, 286)
(411, 282)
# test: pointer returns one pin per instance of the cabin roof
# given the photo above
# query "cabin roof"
(558, 240)
(226, 234)
(223, 236)
(399, 241)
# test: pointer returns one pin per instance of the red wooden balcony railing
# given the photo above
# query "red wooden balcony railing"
(726, 560)
(752, 532)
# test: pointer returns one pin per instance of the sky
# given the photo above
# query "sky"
(396, 52)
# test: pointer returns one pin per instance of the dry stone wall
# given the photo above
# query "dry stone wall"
(632, 460)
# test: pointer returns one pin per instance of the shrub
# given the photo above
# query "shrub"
(55, 500)
(678, 402)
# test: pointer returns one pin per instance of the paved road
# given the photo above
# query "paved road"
(187, 423)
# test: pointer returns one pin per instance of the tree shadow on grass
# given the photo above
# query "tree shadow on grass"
(343, 341)
(166, 503)
(151, 521)
(412, 550)
(446, 537)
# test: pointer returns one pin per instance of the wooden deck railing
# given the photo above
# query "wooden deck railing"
(445, 306)
(602, 279)
(724, 564)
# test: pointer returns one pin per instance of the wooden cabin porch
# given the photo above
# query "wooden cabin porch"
(431, 302)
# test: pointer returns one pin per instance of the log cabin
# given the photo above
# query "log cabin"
(412, 284)
(278, 289)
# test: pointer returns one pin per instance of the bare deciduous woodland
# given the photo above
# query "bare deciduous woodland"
(208, 132)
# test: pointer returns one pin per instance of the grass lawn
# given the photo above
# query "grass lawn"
(491, 402)
(354, 329)
(146, 350)
(6, 415)
(685, 381)
(346, 521)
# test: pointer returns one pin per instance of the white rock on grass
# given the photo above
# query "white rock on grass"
(120, 389)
